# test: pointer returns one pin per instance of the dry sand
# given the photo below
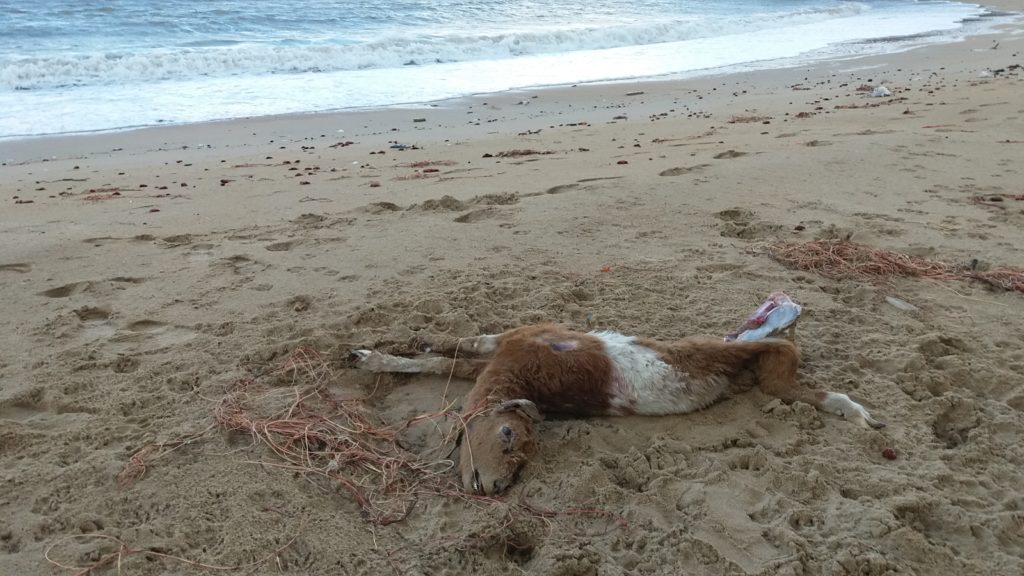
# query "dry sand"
(128, 316)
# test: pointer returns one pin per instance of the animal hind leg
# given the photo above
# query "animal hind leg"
(776, 374)
(372, 361)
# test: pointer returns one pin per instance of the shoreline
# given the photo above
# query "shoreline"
(808, 60)
(511, 115)
(565, 97)
(151, 275)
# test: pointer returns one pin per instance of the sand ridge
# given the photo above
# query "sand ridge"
(145, 273)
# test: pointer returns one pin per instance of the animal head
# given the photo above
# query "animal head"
(496, 445)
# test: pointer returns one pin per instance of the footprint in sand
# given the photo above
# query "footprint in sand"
(200, 252)
(300, 303)
(67, 290)
(95, 322)
(178, 239)
(87, 286)
(148, 335)
(125, 364)
(743, 224)
(451, 204)
(477, 215)
(718, 267)
(310, 220)
(735, 215)
(381, 208)
(127, 280)
(283, 246)
(445, 203)
(868, 132)
(652, 234)
(38, 415)
(107, 240)
(20, 267)
(953, 426)
(93, 313)
(679, 171)
(502, 199)
(238, 264)
(562, 188)
(728, 155)
(145, 326)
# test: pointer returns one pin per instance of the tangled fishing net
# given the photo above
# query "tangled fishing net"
(843, 260)
(319, 435)
(335, 441)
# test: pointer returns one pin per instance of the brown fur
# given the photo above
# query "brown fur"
(772, 364)
(526, 366)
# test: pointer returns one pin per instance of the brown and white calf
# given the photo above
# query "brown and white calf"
(548, 368)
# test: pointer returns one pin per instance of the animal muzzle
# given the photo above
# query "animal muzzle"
(483, 486)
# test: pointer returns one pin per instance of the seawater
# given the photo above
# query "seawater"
(75, 66)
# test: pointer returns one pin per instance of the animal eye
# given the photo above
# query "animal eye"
(508, 437)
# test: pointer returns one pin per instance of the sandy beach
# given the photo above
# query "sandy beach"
(147, 275)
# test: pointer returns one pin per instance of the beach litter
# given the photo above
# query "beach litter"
(880, 92)
(900, 304)
(523, 152)
(426, 163)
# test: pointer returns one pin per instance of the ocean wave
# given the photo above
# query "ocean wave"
(220, 59)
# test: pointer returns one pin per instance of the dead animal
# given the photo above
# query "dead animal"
(527, 371)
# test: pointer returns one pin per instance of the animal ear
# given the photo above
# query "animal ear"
(458, 443)
(528, 408)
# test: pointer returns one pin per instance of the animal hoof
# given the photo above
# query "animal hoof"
(869, 422)
(358, 356)
(374, 361)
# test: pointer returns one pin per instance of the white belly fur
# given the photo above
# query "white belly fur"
(647, 385)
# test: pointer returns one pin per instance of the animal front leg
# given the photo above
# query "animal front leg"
(379, 362)
(454, 347)
(476, 345)
(372, 361)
